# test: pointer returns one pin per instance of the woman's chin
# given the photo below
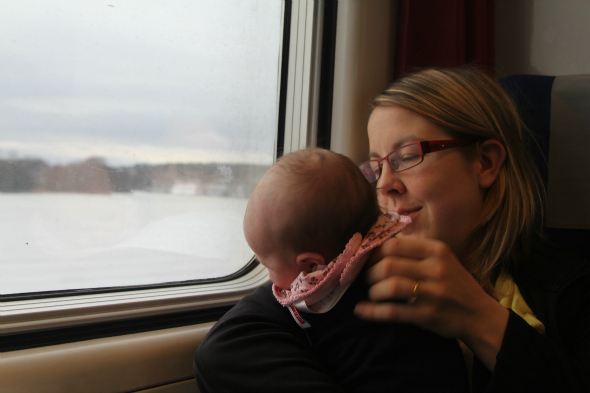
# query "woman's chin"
(410, 229)
(414, 229)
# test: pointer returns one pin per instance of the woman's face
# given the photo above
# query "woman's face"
(442, 194)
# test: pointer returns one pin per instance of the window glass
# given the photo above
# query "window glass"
(131, 134)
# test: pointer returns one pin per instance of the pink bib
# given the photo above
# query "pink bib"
(318, 291)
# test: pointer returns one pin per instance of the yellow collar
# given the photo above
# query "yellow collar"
(508, 294)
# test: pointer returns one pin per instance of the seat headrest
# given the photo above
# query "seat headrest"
(557, 111)
(568, 185)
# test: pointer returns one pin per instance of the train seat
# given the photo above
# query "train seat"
(557, 111)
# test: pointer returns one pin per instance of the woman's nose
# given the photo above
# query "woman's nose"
(389, 182)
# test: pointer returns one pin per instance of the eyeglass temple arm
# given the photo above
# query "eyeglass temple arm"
(431, 146)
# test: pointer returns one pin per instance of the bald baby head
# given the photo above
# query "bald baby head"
(312, 200)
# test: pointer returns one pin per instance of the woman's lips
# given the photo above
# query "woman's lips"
(408, 212)
(412, 213)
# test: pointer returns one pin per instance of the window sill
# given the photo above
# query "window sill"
(21, 316)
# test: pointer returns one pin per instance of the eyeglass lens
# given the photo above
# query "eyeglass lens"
(399, 160)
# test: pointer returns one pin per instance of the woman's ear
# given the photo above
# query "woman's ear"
(491, 156)
(308, 261)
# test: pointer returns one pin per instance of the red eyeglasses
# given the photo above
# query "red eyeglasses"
(408, 156)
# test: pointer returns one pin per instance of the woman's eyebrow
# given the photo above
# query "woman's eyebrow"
(396, 145)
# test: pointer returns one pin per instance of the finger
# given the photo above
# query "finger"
(386, 249)
(390, 312)
(397, 288)
(396, 266)
(410, 247)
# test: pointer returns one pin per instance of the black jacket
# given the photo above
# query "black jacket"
(556, 286)
(257, 347)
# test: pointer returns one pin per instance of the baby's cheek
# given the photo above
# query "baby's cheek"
(283, 279)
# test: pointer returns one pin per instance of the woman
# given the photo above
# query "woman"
(475, 204)
(448, 149)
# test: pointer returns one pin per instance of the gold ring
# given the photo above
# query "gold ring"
(414, 296)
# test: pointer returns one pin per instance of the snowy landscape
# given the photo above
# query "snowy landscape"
(56, 241)
(131, 135)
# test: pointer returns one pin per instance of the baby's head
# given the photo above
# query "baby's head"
(305, 209)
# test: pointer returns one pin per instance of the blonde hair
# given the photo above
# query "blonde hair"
(467, 102)
(329, 200)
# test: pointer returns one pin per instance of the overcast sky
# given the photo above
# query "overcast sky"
(139, 80)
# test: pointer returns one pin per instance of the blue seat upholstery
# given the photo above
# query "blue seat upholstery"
(532, 96)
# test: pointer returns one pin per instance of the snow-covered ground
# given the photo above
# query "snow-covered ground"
(68, 241)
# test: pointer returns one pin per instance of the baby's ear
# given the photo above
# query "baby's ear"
(308, 261)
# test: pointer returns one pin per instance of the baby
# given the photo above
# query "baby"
(312, 221)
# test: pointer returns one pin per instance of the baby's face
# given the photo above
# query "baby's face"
(282, 269)
(280, 262)
(260, 223)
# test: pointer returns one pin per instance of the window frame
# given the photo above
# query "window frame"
(332, 66)
(58, 311)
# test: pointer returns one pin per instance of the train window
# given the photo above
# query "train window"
(131, 133)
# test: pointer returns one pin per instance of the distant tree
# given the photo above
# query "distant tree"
(20, 175)
(93, 175)
(88, 176)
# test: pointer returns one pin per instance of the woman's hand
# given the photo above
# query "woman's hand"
(421, 281)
